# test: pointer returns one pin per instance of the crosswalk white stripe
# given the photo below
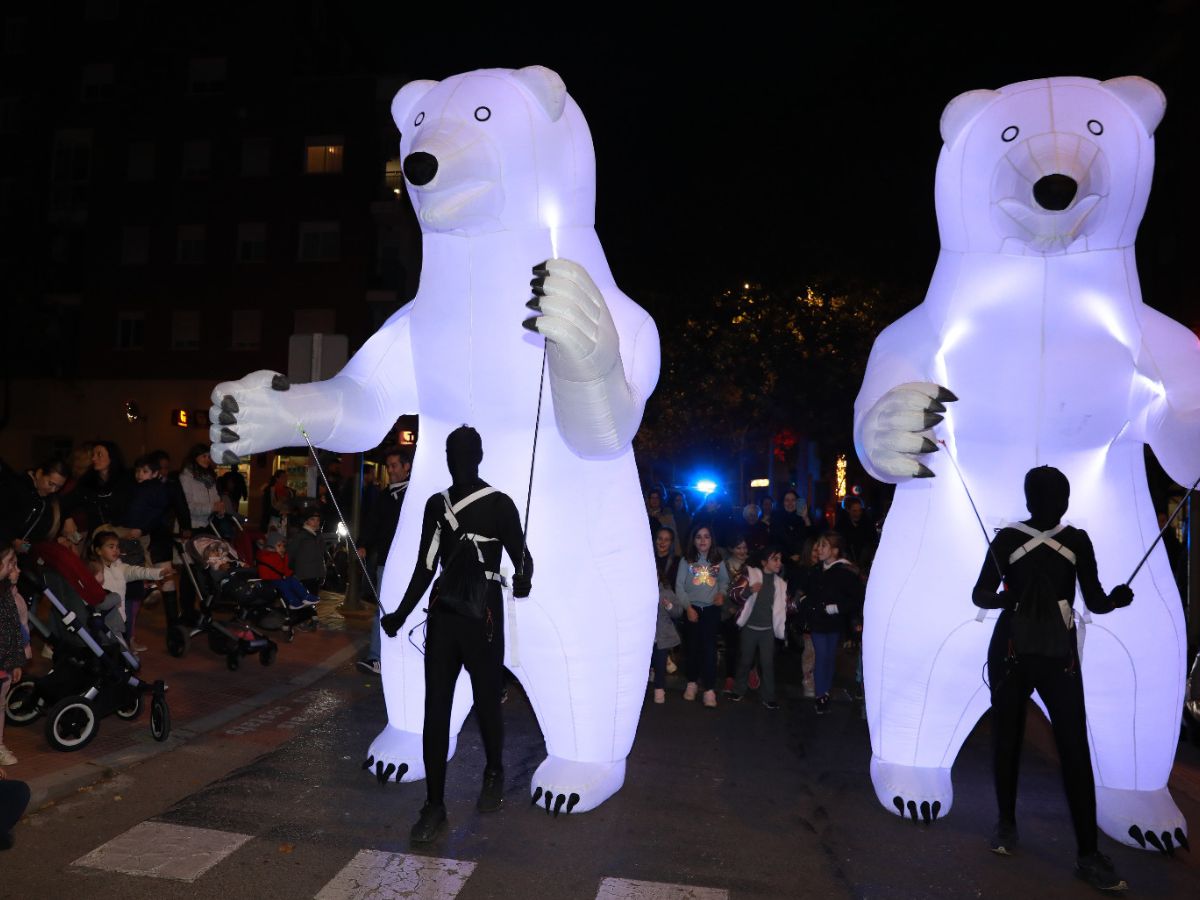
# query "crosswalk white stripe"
(378, 875)
(628, 889)
(163, 850)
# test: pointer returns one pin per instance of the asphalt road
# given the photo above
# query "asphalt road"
(738, 799)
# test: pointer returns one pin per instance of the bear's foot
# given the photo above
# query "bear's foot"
(395, 755)
(1149, 820)
(565, 785)
(922, 794)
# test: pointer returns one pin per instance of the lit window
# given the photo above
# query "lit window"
(247, 329)
(131, 330)
(320, 241)
(197, 158)
(206, 76)
(140, 165)
(323, 156)
(190, 246)
(394, 176)
(135, 245)
(99, 81)
(185, 329)
(252, 242)
(256, 157)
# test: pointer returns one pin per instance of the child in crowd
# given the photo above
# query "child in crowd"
(761, 620)
(666, 636)
(114, 574)
(701, 585)
(273, 568)
(14, 638)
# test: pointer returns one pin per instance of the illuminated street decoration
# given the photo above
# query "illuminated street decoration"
(501, 173)
(839, 488)
(1034, 320)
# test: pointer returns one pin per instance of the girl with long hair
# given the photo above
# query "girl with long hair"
(701, 586)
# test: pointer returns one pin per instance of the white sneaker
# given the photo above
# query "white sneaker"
(7, 757)
(691, 690)
(47, 651)
(710, 699)
(660, 696)
(369, 665)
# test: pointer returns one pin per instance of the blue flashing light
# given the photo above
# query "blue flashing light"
(706, 486)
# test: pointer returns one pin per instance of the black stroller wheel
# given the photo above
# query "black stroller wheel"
(177, 640)
(232, 661)
(266, 655)
(22, 705)
(71, 724)
(131, 708)
(160, 719)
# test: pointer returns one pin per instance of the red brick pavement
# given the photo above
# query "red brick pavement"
(199, 687)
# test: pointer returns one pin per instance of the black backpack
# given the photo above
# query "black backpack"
(462, 587)
(1037, 626)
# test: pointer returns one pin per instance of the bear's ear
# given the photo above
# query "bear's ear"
(961, 110)
(1144, 97)
(406, 98)
(547, 87)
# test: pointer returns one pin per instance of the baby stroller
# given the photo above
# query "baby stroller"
(215, 571)
(246, 543)
(93, 672)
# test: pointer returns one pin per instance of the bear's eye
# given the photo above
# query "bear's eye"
(1009, 134)
(482, 114)
(419, 119)
(1095, 127)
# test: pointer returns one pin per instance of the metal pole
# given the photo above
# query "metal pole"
(352, 603)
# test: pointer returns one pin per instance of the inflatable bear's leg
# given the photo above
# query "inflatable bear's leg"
(921, 708)
(586, 687)
(1133, 707)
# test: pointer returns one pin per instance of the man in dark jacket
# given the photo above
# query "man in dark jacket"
(1034, 648)
(380, 531)
(455, 638)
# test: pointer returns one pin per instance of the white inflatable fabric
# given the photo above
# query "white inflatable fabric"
(501, 173)
(1034, 321)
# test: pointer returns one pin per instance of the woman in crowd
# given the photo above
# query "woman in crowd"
(683, 519)
(701, 585)
(101, 497)
(832, 606)
(197, 502)
(666, 636)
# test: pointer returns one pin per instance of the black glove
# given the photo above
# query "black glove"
(1120, 596)
(391, 623)
(521, 585)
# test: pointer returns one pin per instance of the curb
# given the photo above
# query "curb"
(50, 789)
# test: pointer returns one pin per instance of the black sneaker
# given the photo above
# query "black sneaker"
(822, 704)
(429, 825)
(491, 795)
(731, 695)
(770, 704)
(1005, 838)
(1097, 870)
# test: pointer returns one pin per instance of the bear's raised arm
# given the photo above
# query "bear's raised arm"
(1169, 359)
(348, 413)
(603, 359)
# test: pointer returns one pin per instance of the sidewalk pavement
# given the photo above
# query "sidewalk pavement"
(202, 694)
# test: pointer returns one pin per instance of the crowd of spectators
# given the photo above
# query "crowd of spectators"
(735, 584)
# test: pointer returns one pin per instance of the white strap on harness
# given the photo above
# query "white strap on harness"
(452, 520)
(1036, 539)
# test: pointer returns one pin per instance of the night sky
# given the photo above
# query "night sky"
(774, 148)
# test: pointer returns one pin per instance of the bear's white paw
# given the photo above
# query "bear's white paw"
(924, 794)
(579, 786)
(396, 755)
(896, 429)
(1146, 819)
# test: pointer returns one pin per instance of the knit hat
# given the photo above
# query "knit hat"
(274, 539)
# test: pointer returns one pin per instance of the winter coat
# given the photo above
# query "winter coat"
(14, 630)
(200, 492)
(666, 635)
(306, 552)
(778, 602)
(837, 585)
(272, 566)
(23, 513)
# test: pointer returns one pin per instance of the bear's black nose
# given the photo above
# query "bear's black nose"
(1050, 191)
(419, 168)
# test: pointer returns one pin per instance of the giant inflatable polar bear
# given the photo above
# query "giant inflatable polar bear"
(501, 172)
(1034, 320)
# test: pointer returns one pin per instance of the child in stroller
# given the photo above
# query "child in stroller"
(273, 568)
(229, 579)
(93, 673)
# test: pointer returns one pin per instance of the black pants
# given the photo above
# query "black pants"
(702, 646)
(14, 797)
(1059, 682)
(731, 636)
(454, 642)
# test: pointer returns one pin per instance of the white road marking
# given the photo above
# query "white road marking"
(383, 876)
(162, 850)
(627, 889)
